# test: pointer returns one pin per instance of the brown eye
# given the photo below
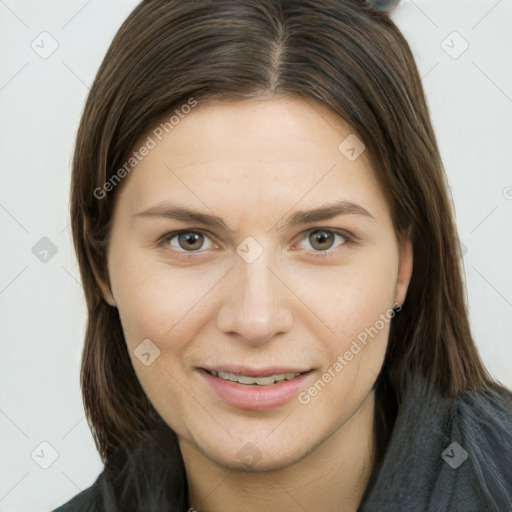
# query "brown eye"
(324, 239)
(186, 241)
(321, 240)
(190, 241)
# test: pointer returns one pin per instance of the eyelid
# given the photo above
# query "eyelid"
(349, 238)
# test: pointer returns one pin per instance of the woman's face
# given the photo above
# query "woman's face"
(251, 286)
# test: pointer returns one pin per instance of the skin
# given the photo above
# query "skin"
(254, 164)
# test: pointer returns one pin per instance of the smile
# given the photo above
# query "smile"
(255, 393)
(259, 381)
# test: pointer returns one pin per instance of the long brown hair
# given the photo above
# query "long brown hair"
(338, 53)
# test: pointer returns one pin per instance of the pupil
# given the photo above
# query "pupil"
(190, 239)
(322, 236)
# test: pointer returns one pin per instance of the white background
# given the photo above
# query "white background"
(41, 304)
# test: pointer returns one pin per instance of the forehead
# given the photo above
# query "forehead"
(256, 152)
(285, 128)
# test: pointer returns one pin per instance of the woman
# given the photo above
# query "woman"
(277, 316)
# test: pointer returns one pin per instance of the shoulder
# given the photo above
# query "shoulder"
(476, 472)
(85, 501)
(482, 420)
(147, 475)
(449, 454)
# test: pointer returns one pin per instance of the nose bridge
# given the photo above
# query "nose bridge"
(258, 290)
(254, 306)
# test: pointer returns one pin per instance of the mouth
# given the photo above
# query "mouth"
(257, 392)
(261, 380)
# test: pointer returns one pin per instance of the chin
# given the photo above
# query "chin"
(259, 455)
(257, 461)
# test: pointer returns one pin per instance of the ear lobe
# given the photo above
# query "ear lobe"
(92, 256)
(107, 295)
(405, 266)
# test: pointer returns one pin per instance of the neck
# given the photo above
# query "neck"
(332, 477)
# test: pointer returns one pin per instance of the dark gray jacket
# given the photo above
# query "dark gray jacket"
(443, 455)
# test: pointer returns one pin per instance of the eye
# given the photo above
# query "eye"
(322, 240)
(187, 241)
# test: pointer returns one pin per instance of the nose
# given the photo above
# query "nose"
(255, 306)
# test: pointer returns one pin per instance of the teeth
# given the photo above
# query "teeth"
(260, 381)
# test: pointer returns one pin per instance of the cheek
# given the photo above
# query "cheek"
(158, 302)
(355, 297)
(155, 303)
(358, 308)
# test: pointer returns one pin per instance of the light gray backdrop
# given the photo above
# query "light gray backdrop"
(50, 52)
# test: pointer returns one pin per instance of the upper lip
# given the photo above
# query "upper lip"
(254, 372)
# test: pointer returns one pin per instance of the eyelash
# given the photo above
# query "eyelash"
(192, 254)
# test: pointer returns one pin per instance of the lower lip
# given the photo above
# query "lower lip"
(255, 398)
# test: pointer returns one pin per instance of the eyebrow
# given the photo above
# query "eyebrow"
(298, 218)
